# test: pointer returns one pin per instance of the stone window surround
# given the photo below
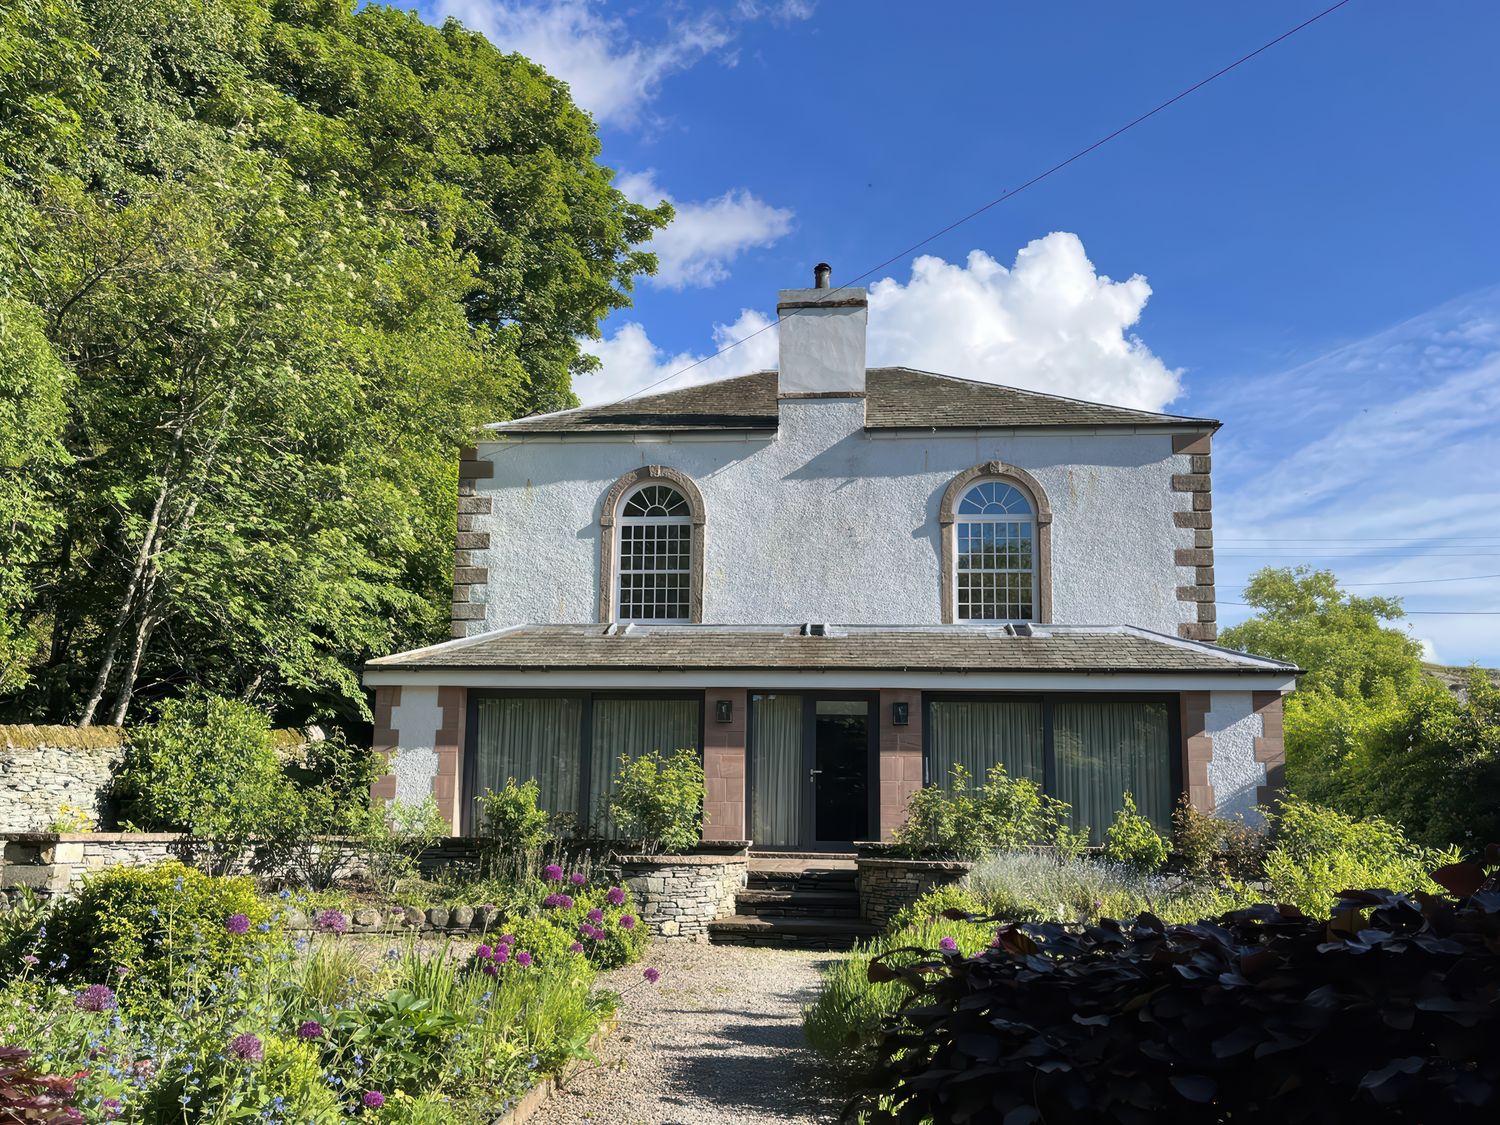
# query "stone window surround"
(609, 536)
(1030, 488)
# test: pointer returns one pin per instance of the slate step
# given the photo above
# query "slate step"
(782, 902)
(802, 880)
(806, 933)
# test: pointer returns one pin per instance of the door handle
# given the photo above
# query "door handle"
(812, 774)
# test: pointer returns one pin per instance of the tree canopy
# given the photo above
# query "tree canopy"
(265, 265)
(1368, 731)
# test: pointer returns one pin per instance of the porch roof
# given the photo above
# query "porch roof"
(1080, 649)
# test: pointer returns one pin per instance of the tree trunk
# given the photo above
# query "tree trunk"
(144, 627)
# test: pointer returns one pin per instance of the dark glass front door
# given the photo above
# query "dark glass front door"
(841, 770)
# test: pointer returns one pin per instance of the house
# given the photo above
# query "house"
(838, 583)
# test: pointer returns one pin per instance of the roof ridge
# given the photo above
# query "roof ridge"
(1039, 394)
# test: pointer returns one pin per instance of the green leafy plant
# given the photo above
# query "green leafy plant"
(964, 821)
(1220, 848)
(658, 801)
(1320, 852)
(513, 829)
(208, 767)
(398, 833)
(72, 819)
(168, 926)
(1133, 841)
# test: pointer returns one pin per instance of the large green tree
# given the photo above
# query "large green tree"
(1368, 731)
(268, 264)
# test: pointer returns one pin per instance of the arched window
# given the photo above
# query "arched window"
(656, 555)
(652, 548)
(996, 547)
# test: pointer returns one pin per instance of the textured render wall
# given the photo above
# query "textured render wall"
(828, 523)
(900, 759)
(1236, 771)
(417, 720)
(724, 766)
(44, 767)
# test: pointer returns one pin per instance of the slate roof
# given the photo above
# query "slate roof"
(898, 398)
(956, 648)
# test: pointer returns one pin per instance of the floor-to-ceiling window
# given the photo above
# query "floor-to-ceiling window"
(1086, 751)
(571, 744)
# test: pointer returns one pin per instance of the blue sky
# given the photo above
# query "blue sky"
(1308, 249)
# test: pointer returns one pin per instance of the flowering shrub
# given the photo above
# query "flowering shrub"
(169, 926)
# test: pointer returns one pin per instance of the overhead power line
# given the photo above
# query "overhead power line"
(1411, 581)
(1001, 198)
(1424, 612)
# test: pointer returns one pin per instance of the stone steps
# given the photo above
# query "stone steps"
(803, 933)
(783, 902)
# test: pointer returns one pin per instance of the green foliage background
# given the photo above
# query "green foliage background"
(1369, 732)
(265, 265)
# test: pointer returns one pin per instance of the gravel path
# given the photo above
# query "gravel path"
(717, 1040)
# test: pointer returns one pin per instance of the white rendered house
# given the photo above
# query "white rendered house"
(837, 583)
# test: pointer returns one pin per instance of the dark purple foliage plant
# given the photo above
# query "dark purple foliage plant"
(1387, 1012)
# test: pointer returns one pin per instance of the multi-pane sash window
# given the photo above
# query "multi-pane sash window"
(656, 555)
(996, 571)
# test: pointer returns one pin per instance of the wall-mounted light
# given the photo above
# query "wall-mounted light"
(724, 710)
(900, 713)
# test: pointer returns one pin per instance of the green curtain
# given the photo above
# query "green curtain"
(635, 727)
(977, 733)
(776, 770)
(528, 738)
(1105, 748)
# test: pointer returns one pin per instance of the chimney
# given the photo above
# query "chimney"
(822, 339)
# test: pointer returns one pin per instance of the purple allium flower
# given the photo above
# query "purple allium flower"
(483, 952)
(95, 998)
(562, 902)
(310, 1029)
(627, 921)
(247, 1047)
(523, 958)
(576, 947)
(501, 955)
(596, 915)
(373, 1099)
(507, 939)
(578, 878)
(490, 968)
(237, 924)
(652, 976)
(30, 959)
(615, 895)
(553, 872)
(948, 945)
(589, 931)
(333, 922)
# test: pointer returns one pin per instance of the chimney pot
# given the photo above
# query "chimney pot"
(822, 275)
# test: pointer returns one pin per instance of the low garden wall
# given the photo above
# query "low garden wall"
(679, 895)
(43, 768)
(887, 884)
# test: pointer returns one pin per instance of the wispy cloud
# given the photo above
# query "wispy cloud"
(705, 236)
(614, 70)
(1378, 461)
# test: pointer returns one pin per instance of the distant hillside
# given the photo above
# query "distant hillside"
(1455, 677)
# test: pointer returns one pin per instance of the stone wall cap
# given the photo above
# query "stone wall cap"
(914, 864)
(690, 860)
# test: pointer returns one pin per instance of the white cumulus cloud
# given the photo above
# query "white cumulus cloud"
(1050, 322)
(704, 237)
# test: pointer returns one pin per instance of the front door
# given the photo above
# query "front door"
(810, 760)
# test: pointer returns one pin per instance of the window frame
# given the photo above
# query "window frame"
(609, 542)
(470, 772)
(1176, 763)
(1041, 547)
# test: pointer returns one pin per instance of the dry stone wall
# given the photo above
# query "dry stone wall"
(888, 885)
(680, 895)
(43, 768)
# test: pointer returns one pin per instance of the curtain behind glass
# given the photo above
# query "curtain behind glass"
(977, 733)
(525, 738)
(635, 727)
(1105, 748)
(776, 770)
